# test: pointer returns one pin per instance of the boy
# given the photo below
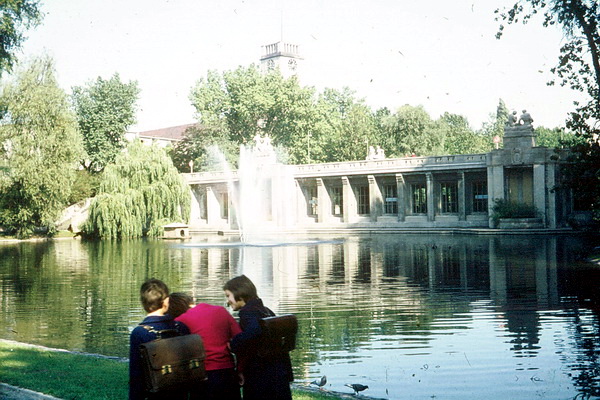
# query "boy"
(154, 295)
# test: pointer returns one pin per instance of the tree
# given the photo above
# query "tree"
(233, 103)
(138, 194)
(459, 138)
(412, 131)
(105, 110)
(16, 16)
(40, 151)
(578, 68)
(345, 129)
(199, 145)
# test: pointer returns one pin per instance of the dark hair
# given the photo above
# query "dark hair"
(179, 303)
(242, 288)
(153, 294)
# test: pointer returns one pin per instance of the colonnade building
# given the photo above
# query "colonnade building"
(412, 193)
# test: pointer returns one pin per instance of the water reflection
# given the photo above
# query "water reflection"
(412, 316)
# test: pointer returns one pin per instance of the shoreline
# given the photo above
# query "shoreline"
(12, 392)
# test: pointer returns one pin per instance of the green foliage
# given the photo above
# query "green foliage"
(138, 194)
(578, 67)
(233, 103)
(105, 110)
(85, 186)
(556, 138)
(459, 138)
(511, 209)
(345, 128)
(196, 146)
(15, 18)
(41, 149)
(412, 131)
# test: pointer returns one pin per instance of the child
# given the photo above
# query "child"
(216, 327)
(154, 295)
(266, 375)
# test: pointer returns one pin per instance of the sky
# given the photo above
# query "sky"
(440, 54)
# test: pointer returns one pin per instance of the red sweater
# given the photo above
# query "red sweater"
(216, 327)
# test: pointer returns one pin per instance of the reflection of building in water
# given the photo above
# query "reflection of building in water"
(455, 191)
(487, 267)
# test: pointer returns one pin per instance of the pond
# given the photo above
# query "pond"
(411, 316)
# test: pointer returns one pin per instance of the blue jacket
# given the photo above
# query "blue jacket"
(141, 335)
(266, 377)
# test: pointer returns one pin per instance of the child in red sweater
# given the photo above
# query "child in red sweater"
(216, 327)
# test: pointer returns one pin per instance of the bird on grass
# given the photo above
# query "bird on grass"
(320, 382)
(357, 387)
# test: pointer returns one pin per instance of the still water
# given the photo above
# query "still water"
(411, 316)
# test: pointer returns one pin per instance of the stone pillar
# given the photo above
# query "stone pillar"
(495, 188)
(401, 188)
(375, 199)
(195, 213)
(302, 203)
(551, 195)
(213, 209)
(349, 212)
(324, 206)
(539, 190)
(233, 221)
(430, 197)
(462, 197)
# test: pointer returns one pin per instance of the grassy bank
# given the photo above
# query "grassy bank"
(74, 376)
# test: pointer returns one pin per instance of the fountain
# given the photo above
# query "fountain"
(264, 197)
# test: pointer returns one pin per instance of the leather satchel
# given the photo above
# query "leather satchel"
(280, 332)
(174, 363)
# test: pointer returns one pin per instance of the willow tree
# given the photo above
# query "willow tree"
(138, 194)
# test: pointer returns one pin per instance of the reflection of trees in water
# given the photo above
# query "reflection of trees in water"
(348, 295)
(584, 361)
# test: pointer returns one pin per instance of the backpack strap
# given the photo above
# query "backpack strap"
(159, 333)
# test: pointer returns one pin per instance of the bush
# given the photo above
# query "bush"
(85, 186)
(511, 209)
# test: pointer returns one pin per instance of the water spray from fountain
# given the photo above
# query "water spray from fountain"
(262, 190)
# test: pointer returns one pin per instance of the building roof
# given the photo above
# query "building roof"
(173, 133)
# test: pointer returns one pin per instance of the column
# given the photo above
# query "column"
(430, 197)
(375, 199)
(213, 210)
(495, 188)
(462, 197)
(401, 188)
(301, 206)
(551, 194)
(324, 206)
(539, 190)
(195, 214)
(349, 201)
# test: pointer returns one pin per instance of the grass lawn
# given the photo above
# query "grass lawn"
(74, 376)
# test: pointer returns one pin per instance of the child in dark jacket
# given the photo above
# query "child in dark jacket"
(267, 375)
(154, 295)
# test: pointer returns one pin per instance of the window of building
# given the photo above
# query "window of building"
(390, 193)
(363, 200)
(337, 201)
(419, 198)
(449, 197)
(480, 196)
(312, 203)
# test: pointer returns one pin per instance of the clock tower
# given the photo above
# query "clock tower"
(284, 56)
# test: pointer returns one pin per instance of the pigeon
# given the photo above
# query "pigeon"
(320, 382)
(357, 387)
